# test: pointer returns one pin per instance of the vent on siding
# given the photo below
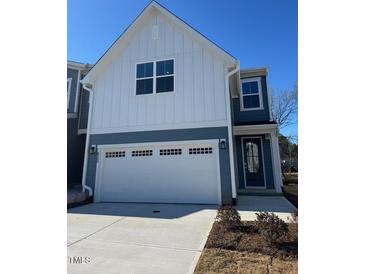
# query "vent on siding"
(115, 154)
(137, 153)
(174, 151)
(201, 150)
(154, 32)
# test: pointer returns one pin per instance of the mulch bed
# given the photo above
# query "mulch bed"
(244, 250)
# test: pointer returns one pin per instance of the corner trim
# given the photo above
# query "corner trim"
(76, 105)
(69, 83)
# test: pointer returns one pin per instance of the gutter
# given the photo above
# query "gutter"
(87, 143)
(230, 134)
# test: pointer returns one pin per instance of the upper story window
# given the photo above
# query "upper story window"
(69, 81)
(251, 94)
(155, 77)
(144, 78)
(164, 76)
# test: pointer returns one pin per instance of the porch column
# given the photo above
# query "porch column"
(276, 161)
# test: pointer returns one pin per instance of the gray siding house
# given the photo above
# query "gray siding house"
(77, 110)
(172, 119)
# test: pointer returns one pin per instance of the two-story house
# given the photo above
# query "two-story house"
(173, 119)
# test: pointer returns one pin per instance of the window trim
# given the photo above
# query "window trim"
(154, 77)
(69, 82)
(247, 80)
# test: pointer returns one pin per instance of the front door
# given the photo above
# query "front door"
(253, 167)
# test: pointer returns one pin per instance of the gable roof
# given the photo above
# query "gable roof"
(122, 39)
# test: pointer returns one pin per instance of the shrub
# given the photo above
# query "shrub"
(219, 237)
(270, 226)
(229, 218)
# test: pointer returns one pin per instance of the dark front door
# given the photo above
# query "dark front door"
(253, 162)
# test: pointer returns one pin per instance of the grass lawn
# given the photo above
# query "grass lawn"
(245, 250)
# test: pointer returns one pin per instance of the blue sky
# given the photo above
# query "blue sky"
(257, 32)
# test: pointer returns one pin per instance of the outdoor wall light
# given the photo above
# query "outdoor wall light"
(92, 149)
(223, 143)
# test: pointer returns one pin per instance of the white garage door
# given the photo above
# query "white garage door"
(159, 173)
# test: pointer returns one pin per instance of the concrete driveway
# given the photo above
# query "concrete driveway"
(137, 238)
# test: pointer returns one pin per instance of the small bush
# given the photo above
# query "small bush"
(220, 237)
(229, 218)
(270, 226)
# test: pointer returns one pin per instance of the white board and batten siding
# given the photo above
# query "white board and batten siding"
(198, 99)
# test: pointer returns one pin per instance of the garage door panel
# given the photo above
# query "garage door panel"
(181, 173)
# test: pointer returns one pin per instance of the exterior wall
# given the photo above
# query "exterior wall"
(269, 175)
(84, 109)
(75, 153)
(251, 116)
(198, 99)
(72, 73)
(166, 136)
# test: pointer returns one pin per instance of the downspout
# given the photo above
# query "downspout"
(230, 134)
(87, 143)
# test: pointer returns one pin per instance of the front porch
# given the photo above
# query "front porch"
(258, 169)
(248, 205)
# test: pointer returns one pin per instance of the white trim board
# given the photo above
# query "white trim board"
(255, 129)
(76, 104)
(193, 142)
(69, 83)
(75, 65)
(262, 159)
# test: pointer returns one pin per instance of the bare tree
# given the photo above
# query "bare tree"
(285, 107)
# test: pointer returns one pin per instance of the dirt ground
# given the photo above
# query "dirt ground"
(215, 260)
(244, 250)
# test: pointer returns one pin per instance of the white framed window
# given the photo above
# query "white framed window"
(251, 94)
(155, 77)
(144, 76)
(69, 81)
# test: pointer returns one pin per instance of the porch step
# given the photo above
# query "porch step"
(255, 192)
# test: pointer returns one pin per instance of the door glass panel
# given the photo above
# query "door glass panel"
(252, 156)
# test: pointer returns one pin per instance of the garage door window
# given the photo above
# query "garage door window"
(201, 150)
(139, 153)
(115, 154)
(176, 151)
